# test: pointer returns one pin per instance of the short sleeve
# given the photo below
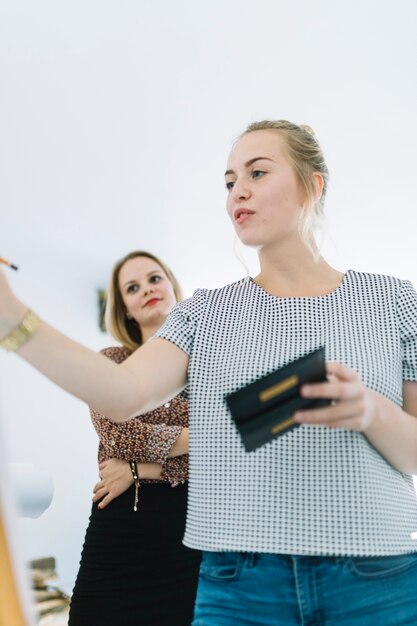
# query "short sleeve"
(181, 323)
(407, 318)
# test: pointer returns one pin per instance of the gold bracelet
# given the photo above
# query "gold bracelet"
(135, 475)
(27, 327)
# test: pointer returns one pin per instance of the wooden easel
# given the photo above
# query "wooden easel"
(14, 601)
(11, 604)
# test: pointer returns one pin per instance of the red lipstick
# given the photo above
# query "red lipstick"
(152, 301)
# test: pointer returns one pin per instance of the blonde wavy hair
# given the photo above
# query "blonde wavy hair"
(123, 329)
(306, 157)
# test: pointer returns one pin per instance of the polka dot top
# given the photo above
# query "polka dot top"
(314, 490)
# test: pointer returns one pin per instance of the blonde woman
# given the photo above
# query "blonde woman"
(315, 527)
(134, 567)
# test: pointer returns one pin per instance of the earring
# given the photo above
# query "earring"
(129, 317)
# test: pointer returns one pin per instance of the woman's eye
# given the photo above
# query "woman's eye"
(155, 278)
(230, 185)
(132, 288)
(257, 173)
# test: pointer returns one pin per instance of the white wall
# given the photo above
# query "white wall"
(116, 119)
(52, 430)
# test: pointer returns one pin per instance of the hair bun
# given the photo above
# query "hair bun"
(308, 130)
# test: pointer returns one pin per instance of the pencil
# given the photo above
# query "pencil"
(12, 265)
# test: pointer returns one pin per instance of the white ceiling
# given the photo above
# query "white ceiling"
(116, 119)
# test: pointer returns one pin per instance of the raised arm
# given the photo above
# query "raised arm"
(147, 379)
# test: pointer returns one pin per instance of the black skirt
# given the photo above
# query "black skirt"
(134, 568)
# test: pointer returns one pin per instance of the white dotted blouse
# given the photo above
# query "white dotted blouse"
(314, 490)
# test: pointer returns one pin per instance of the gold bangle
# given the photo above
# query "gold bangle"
(27, 327)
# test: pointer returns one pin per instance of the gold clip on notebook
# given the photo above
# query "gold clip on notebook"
(263, 410)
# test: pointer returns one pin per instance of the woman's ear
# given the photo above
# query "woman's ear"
(318, 184)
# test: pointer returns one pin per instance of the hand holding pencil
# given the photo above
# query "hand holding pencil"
(12, 265)
(12, 310)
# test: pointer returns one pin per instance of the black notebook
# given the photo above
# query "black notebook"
(263, 409)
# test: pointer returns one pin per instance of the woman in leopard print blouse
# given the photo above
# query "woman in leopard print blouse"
(134, 568)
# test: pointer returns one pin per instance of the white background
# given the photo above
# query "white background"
(116, 119)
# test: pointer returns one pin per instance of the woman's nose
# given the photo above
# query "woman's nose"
(240, 190)
(148, 289)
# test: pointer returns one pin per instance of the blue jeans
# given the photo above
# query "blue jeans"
(246, 589)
